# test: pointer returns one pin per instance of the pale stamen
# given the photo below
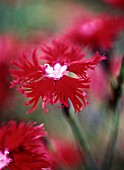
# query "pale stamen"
(4, 159)
(55, 72)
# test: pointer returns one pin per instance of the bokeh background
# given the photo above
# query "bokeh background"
(25, 24)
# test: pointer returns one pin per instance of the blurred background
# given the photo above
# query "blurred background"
(25, 24)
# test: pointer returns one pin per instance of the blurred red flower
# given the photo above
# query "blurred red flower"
(8, 50)
(50, 80)
(115, 65)
(101, 89)
(95, 32)
(116, 3)
(65, 154)
(21, 146)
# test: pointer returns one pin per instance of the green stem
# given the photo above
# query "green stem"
(115, 106)
(110, 149)
(88, 159)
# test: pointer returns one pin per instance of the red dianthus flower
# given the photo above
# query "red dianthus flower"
(50, 80)
(21, 147)
(96, 32)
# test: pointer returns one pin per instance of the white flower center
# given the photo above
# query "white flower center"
(55, 72)
(4, 159)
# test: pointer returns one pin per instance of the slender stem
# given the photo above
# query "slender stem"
(110, 149)
(89, 162)
(115, 106)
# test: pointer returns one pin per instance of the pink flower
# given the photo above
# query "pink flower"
(116, 3)
(21, 146)
(100, 88)
(97, 83)
(49, 79)
(95, 32)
